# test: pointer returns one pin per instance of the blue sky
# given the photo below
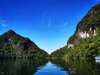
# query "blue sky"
(49, 23)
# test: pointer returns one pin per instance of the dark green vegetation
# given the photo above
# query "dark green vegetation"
(88, 48)
(86, 45)
(79, 67)
(12, 45)
(20, 66)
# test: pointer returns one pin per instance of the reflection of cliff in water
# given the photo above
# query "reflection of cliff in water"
(80, 67)
(19, 67)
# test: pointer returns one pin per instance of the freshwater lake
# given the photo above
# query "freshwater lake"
(58, 67)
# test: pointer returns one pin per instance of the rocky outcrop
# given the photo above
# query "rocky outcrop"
(85, 42)
(88, 27)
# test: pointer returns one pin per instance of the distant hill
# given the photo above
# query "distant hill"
(85, 42)
(15, 45)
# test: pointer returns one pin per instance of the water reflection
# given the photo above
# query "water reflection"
(80, 67)
(19, 67)
(53, 67)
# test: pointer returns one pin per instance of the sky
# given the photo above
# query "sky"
(48, 23)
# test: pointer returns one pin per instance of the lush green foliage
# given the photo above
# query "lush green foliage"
(83, 47)
(91, 20)
(88, 48)
(12, 45)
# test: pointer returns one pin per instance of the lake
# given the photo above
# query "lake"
(53, 67)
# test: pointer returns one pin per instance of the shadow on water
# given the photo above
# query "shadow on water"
(53, 67)
(79, 67)
(19, 66)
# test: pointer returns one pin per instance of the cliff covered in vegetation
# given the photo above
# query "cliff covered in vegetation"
(13, 45)
(85, 42)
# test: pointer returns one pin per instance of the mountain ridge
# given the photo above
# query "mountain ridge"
(88, 26)
(12, 43)
(85, 42)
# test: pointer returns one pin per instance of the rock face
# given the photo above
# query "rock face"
(14, 45)
(88, 27)
(85, 42)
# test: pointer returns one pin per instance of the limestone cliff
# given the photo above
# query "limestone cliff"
(88, 27)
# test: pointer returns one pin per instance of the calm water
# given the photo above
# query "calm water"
(51, 69)
(58, 67)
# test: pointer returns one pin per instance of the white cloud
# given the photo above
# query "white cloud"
(63, 27)
(3, 25)
(65, 24)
